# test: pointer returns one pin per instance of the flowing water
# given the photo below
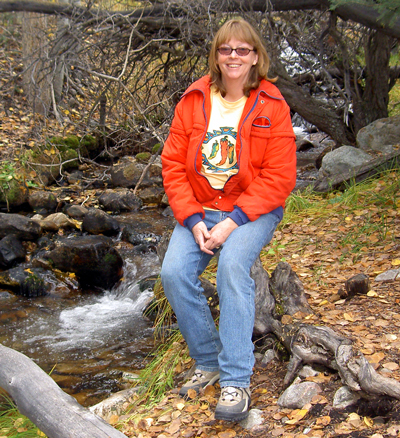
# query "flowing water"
(87, 339)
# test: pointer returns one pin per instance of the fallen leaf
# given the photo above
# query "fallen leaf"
(323, 421)
(391, 366)
(396, 262)
(229, 433)
(368, 421)
(297, 415)
(376, 358)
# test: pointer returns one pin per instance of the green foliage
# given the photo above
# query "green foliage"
(7, 173)
(155, 148)
(389, 10)
(15, 425)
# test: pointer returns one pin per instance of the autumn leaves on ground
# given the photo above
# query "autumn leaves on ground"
(326, 240)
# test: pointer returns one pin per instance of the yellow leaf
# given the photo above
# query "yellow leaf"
(396, 262)
(40, 433)
(30, 272)
(298, 415)
(52, 151)
(368, 421)
(371, 293)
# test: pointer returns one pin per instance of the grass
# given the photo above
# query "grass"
(13, 424)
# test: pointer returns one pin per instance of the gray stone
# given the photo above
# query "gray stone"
(343, 160)
(388, 276)
(298, 395)
(344, 397)
(254, 419)
(308, 371)
(269, 356)
(380, 135)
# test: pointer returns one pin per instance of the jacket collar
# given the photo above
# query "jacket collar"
(204, 83)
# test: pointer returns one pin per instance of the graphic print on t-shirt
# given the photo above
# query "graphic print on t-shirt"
(219, 150)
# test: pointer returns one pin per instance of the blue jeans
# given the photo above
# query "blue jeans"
(229, 349)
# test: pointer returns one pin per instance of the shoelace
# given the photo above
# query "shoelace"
(197, 376)
(230, 394)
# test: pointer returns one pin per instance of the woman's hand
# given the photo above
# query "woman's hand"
(201, 236)
(219, 233)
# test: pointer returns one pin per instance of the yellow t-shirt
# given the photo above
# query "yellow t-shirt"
(219, 146)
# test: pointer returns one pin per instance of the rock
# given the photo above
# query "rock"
(43, 201)
(380, 135)
(11, 251)
(120, 200)
(26, 281)
(126, 174)
(342, 160)
(151, 195)
(76, 211)
(99, 222)
(93, 259)
(269, 356)
(20, 226)
(298, 395)
(254, 419)
(129, 234)
(308, 371)
(344, 397)
(45, 225)
(358, 284)
(391, 275)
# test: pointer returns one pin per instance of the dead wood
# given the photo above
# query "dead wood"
(39, 398)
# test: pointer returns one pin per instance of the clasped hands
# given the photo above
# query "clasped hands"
(209, 240)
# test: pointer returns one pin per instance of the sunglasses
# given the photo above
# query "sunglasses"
(240, 51)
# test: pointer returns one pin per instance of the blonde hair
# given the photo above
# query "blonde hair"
(243, 31)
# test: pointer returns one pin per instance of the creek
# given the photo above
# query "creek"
(87, 339)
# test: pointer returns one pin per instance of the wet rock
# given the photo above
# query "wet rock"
(93, 259)
(11, 251)
(151, 195)
(120, 200)
(42, 200)
(26, 281)
(298, 395)
(76, 211)
(99, 222)
(20, 226)
(131, 235)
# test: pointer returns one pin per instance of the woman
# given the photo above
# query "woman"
(229, 163)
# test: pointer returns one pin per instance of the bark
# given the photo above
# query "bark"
(365, 15)
(39, 398)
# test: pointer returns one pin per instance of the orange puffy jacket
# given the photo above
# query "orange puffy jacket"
(265, 148)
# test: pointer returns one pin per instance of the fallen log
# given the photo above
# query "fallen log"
(39, 398)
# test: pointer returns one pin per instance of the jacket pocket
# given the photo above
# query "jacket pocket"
(261, 127)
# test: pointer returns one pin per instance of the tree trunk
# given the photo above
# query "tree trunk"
(371, 103)
(38, 397)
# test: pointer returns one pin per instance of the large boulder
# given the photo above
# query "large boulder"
(93, 259)
(20, 226)
(99, 222)
(11, 251)
(382, 135)
(120, 200)
(343, 160)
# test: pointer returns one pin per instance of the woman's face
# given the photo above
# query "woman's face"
(233, 66)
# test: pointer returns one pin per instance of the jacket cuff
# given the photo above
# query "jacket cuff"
(192, 220)
(238, 216)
